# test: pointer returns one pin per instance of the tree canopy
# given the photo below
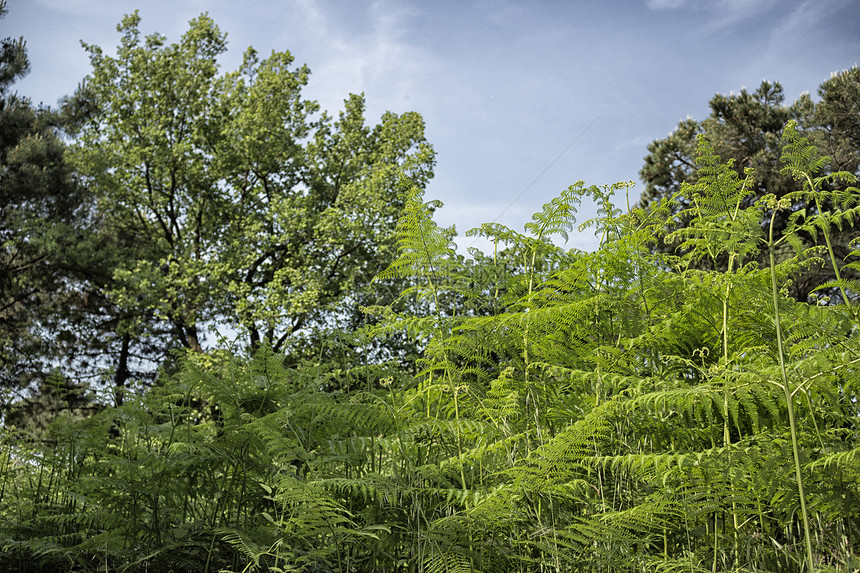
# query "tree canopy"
(228, 200)
(40, 204)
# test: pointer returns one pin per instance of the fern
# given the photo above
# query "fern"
(824, 204)
(608, 411)
(425, 250)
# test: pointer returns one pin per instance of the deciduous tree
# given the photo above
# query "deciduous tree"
(229, 199)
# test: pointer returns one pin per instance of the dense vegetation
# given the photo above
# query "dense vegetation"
(664, 403)
(746, 128)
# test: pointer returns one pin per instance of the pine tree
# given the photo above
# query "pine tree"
(746, 128)
(39, 203)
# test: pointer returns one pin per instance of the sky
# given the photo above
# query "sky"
(520, 98)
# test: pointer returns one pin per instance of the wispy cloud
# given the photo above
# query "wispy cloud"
(720, 6)
(665, 4)
(718, 14)
(363, 49)
(808, 15)
(75, 7)
(639, 141)
(729, 12)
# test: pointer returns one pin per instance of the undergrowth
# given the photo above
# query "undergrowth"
(616, 410)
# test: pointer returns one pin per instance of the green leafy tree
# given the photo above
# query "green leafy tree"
(228, 199)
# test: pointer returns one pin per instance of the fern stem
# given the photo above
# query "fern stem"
(788, 397)
(829, 243)
(209, 554)
(455, 390)
(714, 565)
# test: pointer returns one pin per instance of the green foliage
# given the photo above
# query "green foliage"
(615, 410)
(746, 129)
(39, 202)
(229, 201)
(625, 409)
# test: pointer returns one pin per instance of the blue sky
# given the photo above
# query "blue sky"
(521, 99)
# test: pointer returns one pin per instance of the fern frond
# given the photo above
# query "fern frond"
(245, 542)
(841, 460)
(850, 285)
(800, 157)
(426, 250)
(557, 216)
(723, 217)
(446, 562)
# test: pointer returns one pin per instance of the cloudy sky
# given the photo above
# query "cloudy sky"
(521, 98)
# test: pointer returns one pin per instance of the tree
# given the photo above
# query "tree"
(836, 119)
(228, 199)
(39, 205)
(746, 128)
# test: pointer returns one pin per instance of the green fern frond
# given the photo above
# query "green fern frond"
(849, 459)
(498, 233)
(849, 285)
(724, 220)
(649, 517)
(564, 456)
(364, 489)
(800, 157)
(558, 217)
(245, 542)
(683, 564)
(425, 249)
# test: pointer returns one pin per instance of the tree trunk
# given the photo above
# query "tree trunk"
(122, 373)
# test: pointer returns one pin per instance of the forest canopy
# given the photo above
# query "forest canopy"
(682, 398)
